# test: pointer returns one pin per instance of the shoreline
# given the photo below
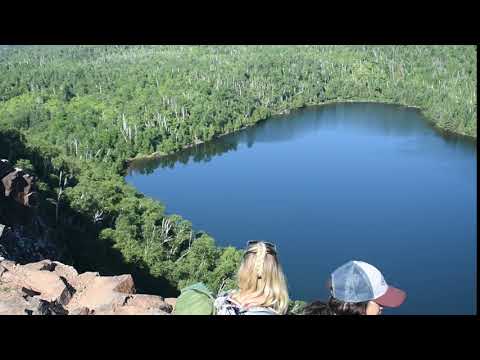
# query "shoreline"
(443, 132)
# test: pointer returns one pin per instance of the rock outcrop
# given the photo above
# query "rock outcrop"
(52, 288)
(20, 244)
(32, 285)
(23, 235)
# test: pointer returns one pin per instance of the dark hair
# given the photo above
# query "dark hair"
(335, 307)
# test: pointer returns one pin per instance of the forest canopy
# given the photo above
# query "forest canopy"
(76, 114)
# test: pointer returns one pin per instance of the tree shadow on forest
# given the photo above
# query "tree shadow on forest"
(76, 235)
(86, 251)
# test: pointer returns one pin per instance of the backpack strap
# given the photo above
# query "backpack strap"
(258, 310)
(225, 305)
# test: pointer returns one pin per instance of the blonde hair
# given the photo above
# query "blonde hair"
(261, 281)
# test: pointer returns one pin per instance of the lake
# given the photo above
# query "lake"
(328, 184)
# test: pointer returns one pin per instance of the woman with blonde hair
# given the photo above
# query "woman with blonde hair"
(262, 288)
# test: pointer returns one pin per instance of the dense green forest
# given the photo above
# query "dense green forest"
(75, 114)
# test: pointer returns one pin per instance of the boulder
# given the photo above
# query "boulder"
(62, 270)
(148, 302)
(8, 265)
(44, 265)
(129, 310)
(22, 301)
(52, 288)
(49, 286)
(84, 279)
(104, 292)
(135, 310)
(65, 271)
(12, 301)
(123, 283)
(80, 311)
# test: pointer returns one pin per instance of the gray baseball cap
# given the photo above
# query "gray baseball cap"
(358, 281)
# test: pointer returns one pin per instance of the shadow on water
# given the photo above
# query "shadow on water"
(200, 153)
(459, 142)
(370, 118)
(360, 180)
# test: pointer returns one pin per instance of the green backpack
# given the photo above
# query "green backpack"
(195, 299)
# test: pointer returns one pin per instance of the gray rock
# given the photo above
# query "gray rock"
(81, 311)
(23, 301)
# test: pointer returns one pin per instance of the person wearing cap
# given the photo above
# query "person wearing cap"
(357, 288)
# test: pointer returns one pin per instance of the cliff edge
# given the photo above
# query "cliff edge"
(51, 288)
(32, 284)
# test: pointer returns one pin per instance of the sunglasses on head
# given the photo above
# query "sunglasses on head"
(269, 245)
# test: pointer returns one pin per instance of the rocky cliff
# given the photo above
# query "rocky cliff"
(33, 283)
(51, 288)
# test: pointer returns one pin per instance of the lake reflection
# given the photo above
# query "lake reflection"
(328, 184)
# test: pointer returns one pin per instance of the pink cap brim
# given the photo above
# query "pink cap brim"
(392, 298)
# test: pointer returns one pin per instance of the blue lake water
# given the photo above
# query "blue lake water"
(371, 182)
